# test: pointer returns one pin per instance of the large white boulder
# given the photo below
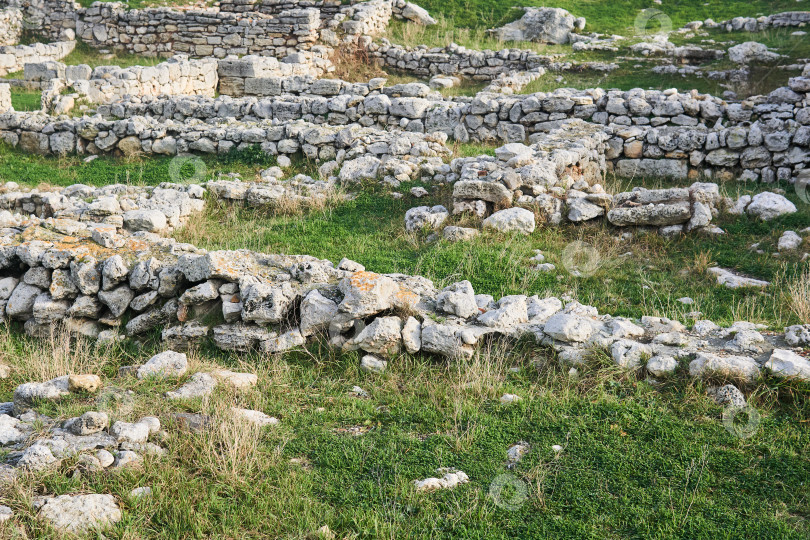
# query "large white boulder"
(784, 364)
(768, 205)
(544, 25)
(165, 364)
(79, 514)
(739, 367)
(511, 219)
(751, 51)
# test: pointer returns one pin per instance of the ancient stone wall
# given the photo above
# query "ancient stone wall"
(484, 65)
(53, 19)
(650, 132)
(179, 76)
(164, 32)
(94, 261)
(326, 8)
(786, 19)
(41, 134)
(263, 76)
(13, 58)
(11, 25)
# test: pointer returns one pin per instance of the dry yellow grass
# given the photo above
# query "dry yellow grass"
(52, 356)
(798, 291)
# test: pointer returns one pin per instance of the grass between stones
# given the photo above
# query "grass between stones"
(641, 276)
(32, 170)
(23, 100)
(637, 460)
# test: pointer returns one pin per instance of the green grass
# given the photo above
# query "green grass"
(26, 101)
(33, 170)
(615, 17)
(639, 461)
(369, 229)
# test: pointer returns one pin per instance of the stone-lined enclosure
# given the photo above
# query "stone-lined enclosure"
(103, 263)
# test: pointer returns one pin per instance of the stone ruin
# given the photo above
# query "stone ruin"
(101, 263)
(271, 79)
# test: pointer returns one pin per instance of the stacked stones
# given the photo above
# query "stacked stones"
(455, 60)
(11, 20)
(273, 303)
(667, 134)
(536, 175)
(266, 76)
(327, 8)
(14, 58)
(136, 208)
(750, 24)
(163, 32)
(367, 18)
(54, 19)
(179, 75)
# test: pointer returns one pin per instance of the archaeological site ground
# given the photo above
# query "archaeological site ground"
(344, 269)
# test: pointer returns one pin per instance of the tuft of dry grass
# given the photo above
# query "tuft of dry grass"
(798, 291)
(49, 357)
(353, 64)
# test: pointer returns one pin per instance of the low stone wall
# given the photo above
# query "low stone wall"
(652, 133)
(326, 8)
(178, 76)
(471, 64)
(367, 18)
(11, 23)
(455, 60)
(38, 133)
(164, 32)
(14, 58)
(787, 19)
(262, 76)
(101, 281)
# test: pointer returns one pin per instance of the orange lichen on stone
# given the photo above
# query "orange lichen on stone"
(364, 281)
(406, 297)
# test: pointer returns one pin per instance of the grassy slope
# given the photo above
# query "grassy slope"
(617, 16)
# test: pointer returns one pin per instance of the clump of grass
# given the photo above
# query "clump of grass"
(798, 290)
(46, 358)
(353, 64)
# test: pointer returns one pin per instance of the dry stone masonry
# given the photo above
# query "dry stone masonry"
(93, 277)
(101, 263)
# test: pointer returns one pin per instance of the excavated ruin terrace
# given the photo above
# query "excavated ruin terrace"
(362, 288)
